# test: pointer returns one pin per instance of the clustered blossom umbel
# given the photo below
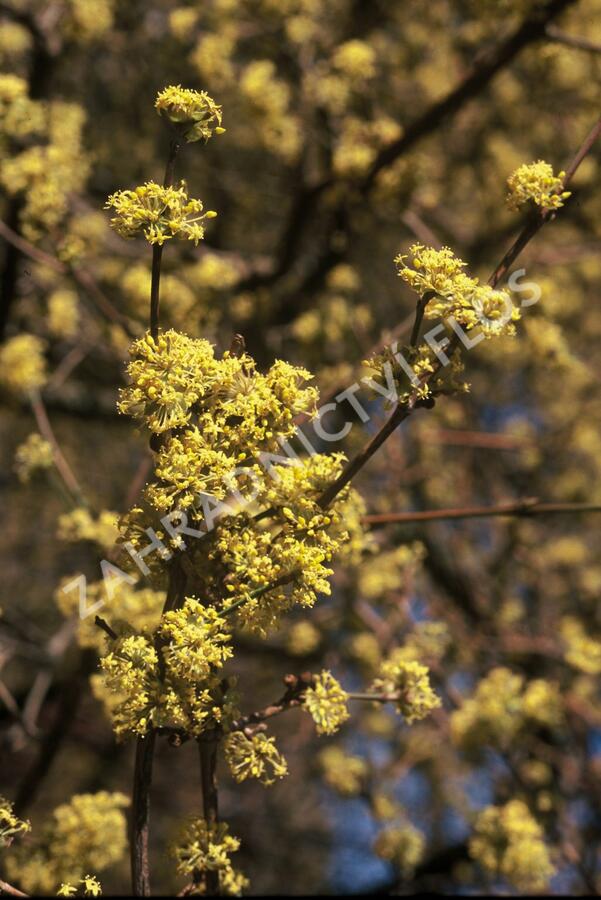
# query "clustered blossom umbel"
(205, 847)
(536, 183)
(89, 884)
(193, 113)
(33, 455)
(87, 834)
(159, 213)
(11, 826)
(509, 843)
(22, 364)
(254, 756)
(503, 706)
(326, 702)
(176, 685)
(407, 683)
(224, 426)
(439, 275)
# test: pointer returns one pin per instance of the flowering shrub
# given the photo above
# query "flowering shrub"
(241, 547)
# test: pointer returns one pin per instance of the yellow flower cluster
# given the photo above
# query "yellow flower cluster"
(49, 172)
(582, 651)
(177, 380)
(34, 454)
(159, 213)
(91, 887)
(386, 571)
(359, 141)
(355, 58)
(194, 112)
(82, 525)
(255, 756)
(86, 20)
(536, 182)
(326, 702)
(206, 848)
(63, 313)
(87, 834)
(186, 691)
(509, 843)
(342, 772)
(196, 641)
(423, 363)
(251, 558)
(408, 684)
(130, 684)
(428, 640)
(270, 99)
(401, 845)
(11, 826)
(168, 377)
(302, 638)
(22, 364)
(501, 707)
(20, 116)
(439, 275)
(229, 417)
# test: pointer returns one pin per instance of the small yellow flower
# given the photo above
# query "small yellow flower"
(326, 702)
(408, 682)
(404, 846)
(194, 112)
(207, 848)
(254, 757)
(33, 454)
(508, 842)
(91, 886)
(10, 825)
(22, 364)
(342, 772)
(159, 213)
(536, 182)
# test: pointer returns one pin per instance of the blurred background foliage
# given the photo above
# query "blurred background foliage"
(353, 130)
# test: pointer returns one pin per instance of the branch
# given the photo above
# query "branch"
(6, 888)
(157, 250)
(527, 507)
(207, 749)
(80, 276)
(478, 77)
(140, 815)
(402, 412)
(570, 40)
(305, 208)
(296, 687)
(61, 464)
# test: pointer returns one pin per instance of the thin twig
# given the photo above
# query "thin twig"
(296, 688)
(104, 625)
(528, 507)
(61, 464)
(571, 40)
(78, 273)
